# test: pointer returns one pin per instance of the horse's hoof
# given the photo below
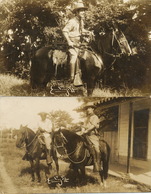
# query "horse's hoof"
(103, 185)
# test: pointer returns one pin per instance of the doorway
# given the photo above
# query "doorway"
(140, 140)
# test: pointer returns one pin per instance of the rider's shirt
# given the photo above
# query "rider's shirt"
(92, 123)
(74, 28)
(45, 125)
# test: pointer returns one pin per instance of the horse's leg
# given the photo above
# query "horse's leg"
(57, 165)
(37, 169)
(105, 171)
(82, 174)
(76, 173)
(90, 85)
(101, 177)
(82, 171)
(32, 170)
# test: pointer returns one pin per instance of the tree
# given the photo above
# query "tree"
(23, 31)
(27, 25)
(60, 118)
(133, 20)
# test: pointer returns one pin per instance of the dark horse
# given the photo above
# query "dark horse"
(35, 150)
(44, 69)
(74, 148)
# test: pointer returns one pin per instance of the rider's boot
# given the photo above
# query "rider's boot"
(77, 80)
(96, 166)
(72, 72)
(78, 75)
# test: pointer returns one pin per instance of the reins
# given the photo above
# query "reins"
(32, 139)
(78, 161)
(71, 153)
(27, 145)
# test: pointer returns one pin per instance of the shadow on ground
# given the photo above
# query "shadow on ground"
(27, 170)
(70, 179)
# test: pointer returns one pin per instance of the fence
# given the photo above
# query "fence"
(6, 135)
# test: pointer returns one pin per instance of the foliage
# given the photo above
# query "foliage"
(60, 118)
(23, 32)
(133, 20)
(27, 25)
(108, 118)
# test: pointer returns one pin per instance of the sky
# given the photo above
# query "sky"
(15, 111)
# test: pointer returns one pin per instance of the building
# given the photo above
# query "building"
(129, 134)
(130, 141)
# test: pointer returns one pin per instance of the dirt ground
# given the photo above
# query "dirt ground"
(15, 177)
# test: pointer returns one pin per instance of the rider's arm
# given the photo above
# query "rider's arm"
(66, 35)
(93, 124)
(41, 130)
(66, 30)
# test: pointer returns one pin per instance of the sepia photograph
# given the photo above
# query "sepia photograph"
(62, 48)
(75, 145)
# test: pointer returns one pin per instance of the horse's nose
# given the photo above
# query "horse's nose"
(18, 144)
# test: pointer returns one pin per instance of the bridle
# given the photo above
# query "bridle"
(26, 137)
(27, 145)
(68, 155)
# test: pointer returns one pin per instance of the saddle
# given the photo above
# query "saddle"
(60, 57)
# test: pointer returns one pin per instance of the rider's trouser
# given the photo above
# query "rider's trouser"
(48, 143)
(75, 71)
(74, 64)
(95, 151)
(73, 60)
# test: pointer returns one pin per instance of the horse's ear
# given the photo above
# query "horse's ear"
(58, 129)
(50, 54)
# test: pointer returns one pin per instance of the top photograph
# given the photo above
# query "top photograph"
(75, 48)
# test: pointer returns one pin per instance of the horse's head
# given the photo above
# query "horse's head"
(60, 141)
(22, 136)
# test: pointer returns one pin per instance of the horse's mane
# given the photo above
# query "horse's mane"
(71, 135)
(31, 131)
(27, 128)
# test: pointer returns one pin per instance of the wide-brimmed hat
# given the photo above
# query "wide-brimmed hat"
(89, 105)
(78, 6)
(43, 114)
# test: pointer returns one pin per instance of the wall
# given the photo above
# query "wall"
(112, 140)
(138, 104)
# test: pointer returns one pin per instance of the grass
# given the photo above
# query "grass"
(13, 86)
(19, 172)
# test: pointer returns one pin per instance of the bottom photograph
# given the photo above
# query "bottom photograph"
(75, 145)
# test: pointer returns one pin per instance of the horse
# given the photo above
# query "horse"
(112, 45)
(74, 149)
(44, 67)
(36, 151)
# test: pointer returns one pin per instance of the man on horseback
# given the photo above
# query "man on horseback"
(45, 127)
(73, 31)
(91, 126)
